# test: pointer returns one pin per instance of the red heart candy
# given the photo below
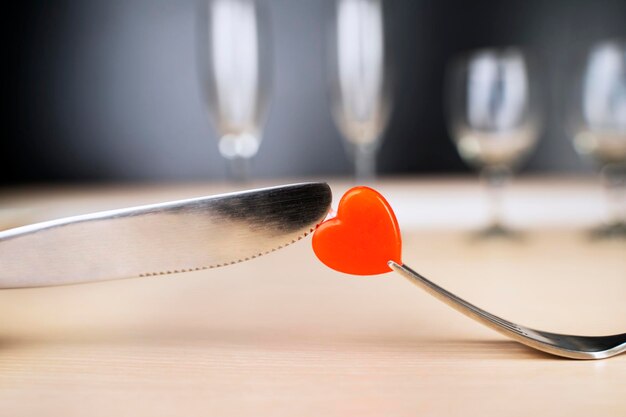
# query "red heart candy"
(363, 236)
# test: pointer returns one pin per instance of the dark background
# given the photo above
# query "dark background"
(108, 90)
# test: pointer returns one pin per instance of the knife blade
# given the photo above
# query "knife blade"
(159, 239)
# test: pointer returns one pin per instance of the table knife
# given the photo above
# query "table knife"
(159, 239)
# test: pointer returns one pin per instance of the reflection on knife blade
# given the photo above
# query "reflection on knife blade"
(178, 236)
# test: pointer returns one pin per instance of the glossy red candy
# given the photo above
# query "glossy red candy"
(363, 236)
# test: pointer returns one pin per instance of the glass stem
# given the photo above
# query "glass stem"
(496, 179)
(614, 179)
(365, 163)
(240, 169)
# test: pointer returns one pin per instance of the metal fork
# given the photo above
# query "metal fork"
(568, 346)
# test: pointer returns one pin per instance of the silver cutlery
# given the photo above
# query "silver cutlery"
(568, 346)
(159, 239)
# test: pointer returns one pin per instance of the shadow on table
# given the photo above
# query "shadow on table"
(246, 338)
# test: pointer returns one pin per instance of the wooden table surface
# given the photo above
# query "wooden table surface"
(284, 336)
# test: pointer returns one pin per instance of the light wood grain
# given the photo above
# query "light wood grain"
(284, 336)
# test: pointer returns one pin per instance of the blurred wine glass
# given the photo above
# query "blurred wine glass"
(361, 92)
(597, 125)
(492, 114)
(234, 64)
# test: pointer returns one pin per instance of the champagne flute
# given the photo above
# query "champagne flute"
(361, 92)
(492, 113)
(234, 62)
(597, 125)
